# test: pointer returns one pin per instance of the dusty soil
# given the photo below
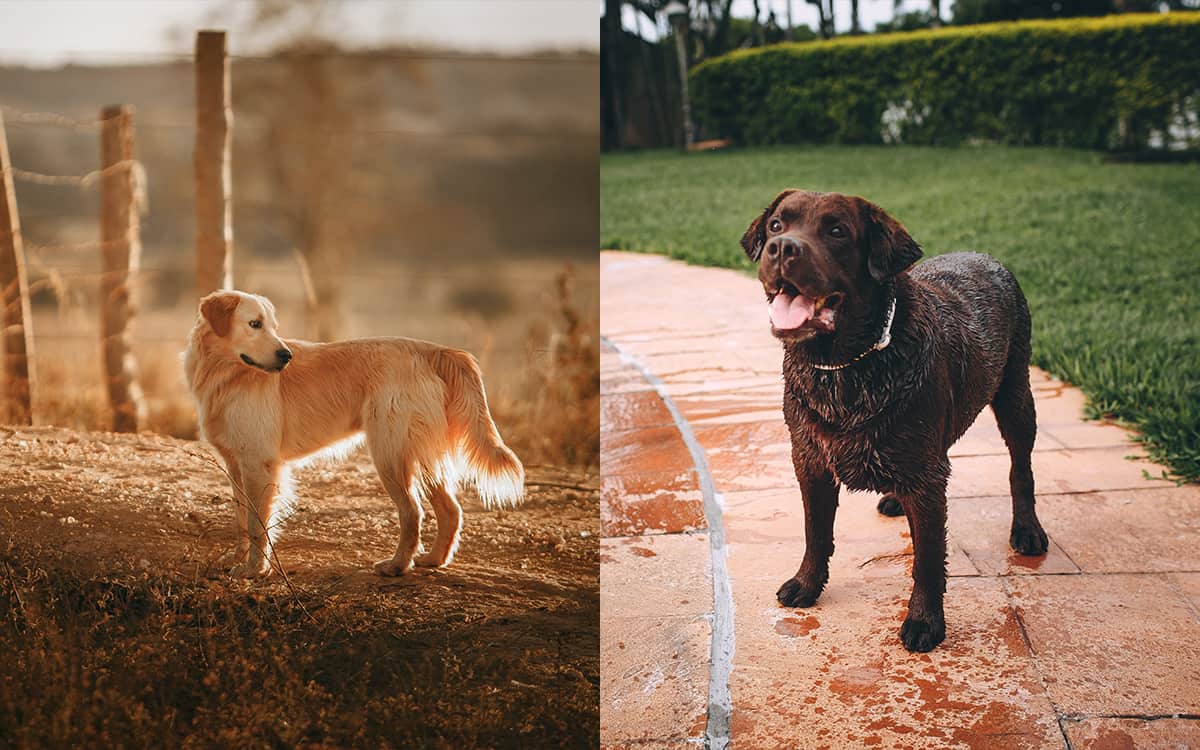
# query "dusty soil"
(501, 648)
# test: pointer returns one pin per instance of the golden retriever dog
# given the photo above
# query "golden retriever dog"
(265, 403)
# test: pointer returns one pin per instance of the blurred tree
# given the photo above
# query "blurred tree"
(987, 11)
(826, 20)
(319, 180)
(911, 21)
(613, 61)
(855, 27)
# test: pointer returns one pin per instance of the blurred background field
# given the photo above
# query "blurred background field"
(426, 193)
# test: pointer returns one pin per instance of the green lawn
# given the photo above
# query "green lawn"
(1108, 254)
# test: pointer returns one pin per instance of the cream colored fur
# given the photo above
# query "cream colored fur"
(421, 408)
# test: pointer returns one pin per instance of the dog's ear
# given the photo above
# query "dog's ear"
(756, 235)
(217, 308)
(890, 249)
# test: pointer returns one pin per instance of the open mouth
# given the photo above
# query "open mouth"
(794, 314)
(252, 363)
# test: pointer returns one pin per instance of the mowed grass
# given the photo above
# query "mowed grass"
(1108, 254)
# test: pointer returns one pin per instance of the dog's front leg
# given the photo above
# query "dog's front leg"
(260, 481)
(820, 495)
(925, 626)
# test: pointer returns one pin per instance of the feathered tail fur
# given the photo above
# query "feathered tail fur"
(495, 470)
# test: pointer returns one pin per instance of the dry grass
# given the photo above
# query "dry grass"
(118, 662)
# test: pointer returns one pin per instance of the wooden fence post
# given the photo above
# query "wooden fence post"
(121, 247)
(214, 120)
(16, 320)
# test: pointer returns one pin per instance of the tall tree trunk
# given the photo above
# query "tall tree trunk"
(822, 27)
(831, 20)
(719, 36)
(855, 28)
(612, 23)
(935, 7)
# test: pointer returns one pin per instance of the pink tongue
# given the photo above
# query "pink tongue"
(791, 312)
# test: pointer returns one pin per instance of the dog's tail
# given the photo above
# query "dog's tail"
(495, 469)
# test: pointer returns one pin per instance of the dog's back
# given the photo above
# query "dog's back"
(984, 321)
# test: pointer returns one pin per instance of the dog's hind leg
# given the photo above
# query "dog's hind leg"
(889, 505)
(449, 522)
(397, 480)
(1017, 419)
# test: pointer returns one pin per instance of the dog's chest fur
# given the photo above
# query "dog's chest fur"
(858, 421)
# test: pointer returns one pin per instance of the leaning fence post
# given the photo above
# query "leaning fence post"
(121, 248)
(16, 319)
(214, 117)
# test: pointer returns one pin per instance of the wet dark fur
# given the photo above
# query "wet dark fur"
(960, 342)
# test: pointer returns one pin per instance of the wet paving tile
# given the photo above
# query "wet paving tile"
(848, 682)
(645, 451)
(1188, 584)
(657, 503)
(760, 404)
(748, 455)
(656, 576)
(633, 411)
(1146, 530)
(1133, 734)
(655, 603)
(981, 527)
(1122, 644)
(653, 681)
(1055, 472)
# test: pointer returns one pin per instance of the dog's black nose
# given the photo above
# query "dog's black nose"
(785, 247)
(283, 355)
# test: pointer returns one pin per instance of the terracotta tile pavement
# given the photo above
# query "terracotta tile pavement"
(1096, 644)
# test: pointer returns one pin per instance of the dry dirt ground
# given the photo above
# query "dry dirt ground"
(125, 631)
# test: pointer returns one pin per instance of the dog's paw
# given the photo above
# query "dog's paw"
(391, 567)
(922, 634)
(248, 570)
(797, 593)
(1029, 539)
(889, 506)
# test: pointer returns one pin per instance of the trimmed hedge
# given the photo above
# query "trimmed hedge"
(1125, 81)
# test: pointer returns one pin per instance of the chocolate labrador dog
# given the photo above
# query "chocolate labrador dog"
(884, 369)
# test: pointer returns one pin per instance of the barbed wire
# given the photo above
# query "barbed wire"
(49, 118)
(53, 119)
(75, 270)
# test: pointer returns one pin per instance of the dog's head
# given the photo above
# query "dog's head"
(821, 254)
(245, 329)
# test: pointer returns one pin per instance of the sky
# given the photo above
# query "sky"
(53, 32)
(870, 12)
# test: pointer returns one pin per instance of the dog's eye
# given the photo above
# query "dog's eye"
(256, 324)
(775, 225)
(838, 231)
